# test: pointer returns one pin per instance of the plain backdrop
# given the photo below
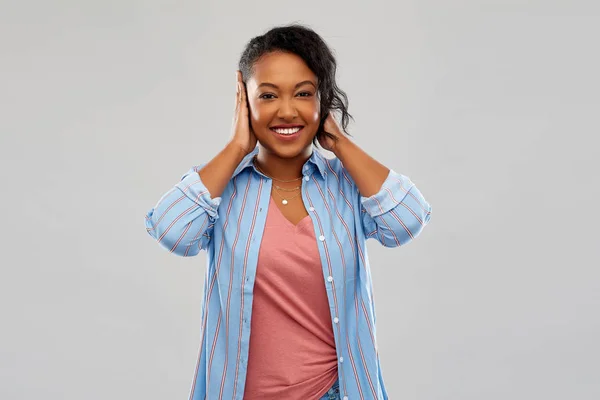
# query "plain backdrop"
(490, 107)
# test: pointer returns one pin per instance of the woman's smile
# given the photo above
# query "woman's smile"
(287, 132)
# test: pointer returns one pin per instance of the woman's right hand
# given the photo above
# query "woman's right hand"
(242, 134)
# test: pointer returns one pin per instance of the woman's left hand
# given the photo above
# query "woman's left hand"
(331, 126)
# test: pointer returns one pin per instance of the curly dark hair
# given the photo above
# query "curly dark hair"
(309, 46)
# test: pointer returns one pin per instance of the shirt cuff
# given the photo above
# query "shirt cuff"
(193, 188)
(392, 192)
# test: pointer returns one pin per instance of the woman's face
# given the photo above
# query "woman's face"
(284, 104)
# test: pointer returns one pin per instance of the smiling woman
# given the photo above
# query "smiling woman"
(283, 97)
(288, 311)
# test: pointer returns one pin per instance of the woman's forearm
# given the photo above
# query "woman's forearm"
(368, 174)
(217, 173)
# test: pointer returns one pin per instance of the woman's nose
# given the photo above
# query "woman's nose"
(287, 110)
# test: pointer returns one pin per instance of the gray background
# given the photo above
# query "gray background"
(490, 107)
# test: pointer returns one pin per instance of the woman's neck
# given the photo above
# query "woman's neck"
(282, 168)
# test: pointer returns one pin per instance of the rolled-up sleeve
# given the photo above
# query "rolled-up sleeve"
(183, 219)
(397, 213)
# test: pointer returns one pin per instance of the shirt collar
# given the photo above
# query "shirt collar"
(316, 160)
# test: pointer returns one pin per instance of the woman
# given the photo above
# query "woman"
(288, 311)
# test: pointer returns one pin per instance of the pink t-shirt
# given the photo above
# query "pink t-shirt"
(292, 351)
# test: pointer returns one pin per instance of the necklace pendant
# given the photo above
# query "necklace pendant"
(284, 201)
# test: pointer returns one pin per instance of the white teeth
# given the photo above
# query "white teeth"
(286, 131)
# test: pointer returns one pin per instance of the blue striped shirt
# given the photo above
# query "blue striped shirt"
(187, 220)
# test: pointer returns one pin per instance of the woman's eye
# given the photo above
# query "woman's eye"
(267, 96)
(305, 94)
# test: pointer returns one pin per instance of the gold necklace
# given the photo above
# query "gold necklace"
(278, 180)
(284, 201)
(287, 189)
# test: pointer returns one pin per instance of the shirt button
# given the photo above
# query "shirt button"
(321, 238)
(311, 208)
(341, 359)
(345, 397)
(336, 320)
(306, 178)
(330, 278)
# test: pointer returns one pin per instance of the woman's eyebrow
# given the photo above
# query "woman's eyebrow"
(269, 84)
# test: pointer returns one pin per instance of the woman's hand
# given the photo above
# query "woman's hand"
(242, 135)
(331, 126)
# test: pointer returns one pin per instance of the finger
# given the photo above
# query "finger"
(243, 91)
(244, 110)
(237, 87)
(332, 120)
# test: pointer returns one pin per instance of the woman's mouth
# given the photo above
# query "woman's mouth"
(287, 133)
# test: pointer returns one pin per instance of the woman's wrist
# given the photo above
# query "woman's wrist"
(340, 145)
